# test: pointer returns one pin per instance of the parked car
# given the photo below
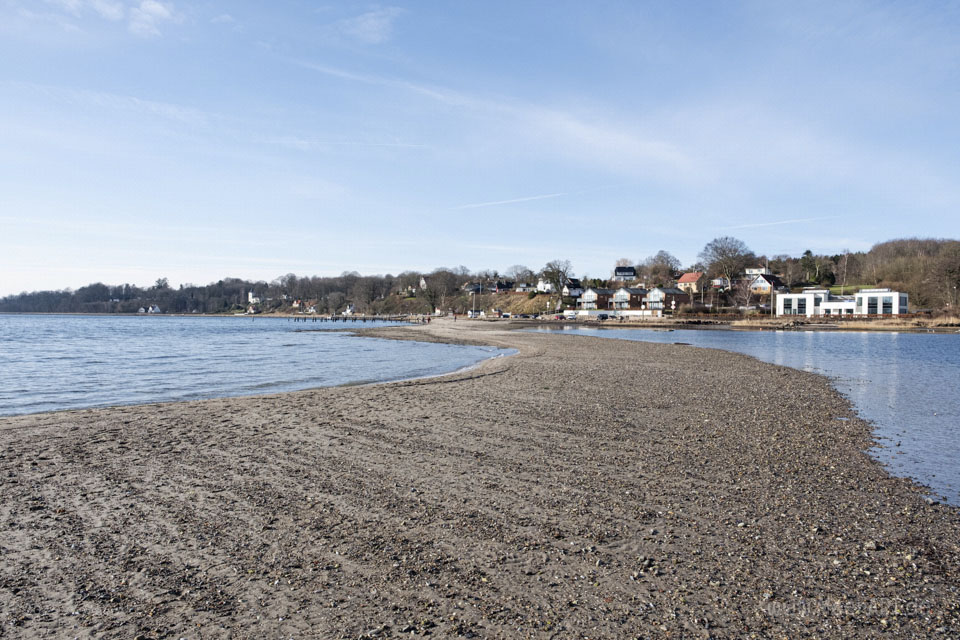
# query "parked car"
(602, 316)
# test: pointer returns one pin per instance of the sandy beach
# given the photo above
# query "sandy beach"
(583, 488)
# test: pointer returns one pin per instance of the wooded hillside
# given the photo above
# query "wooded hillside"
(927, 269)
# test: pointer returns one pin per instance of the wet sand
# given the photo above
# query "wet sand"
(584, 488)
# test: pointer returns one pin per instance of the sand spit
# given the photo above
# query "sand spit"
(584, 488)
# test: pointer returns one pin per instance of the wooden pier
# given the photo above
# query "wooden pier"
(353, 319)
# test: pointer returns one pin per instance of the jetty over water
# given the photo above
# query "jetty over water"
(354, 319)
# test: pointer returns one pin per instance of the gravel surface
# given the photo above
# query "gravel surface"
(583, 488)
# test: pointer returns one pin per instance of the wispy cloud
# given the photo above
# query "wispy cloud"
(755, 225)
(307, 144)
(480, 205)
(600, 140)
(228, 21)
(104, 100)
(143, 17)
(146, 19)
(64, 22)
(444, 96)
(372, 27)
(109, 9)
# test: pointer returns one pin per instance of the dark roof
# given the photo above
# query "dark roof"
(574, 283)
(625, 271)
(634, 291)
(773, 280)
(607, 292)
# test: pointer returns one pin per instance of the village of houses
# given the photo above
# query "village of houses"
(758, 290)
(694, 293)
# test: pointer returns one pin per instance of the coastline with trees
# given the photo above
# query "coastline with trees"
(927, 269)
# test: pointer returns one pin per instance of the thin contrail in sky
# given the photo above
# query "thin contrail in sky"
(497, 202)
(753, 225)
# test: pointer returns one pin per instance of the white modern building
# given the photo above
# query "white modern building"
(807, 303)
(882, 302)
(820, 302)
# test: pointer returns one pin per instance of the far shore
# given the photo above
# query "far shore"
(582, 488)
(747, 323)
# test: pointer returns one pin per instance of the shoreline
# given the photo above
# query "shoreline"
(745, 324)
(547, 493)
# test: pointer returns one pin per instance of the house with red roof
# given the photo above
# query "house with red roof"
(690, 282)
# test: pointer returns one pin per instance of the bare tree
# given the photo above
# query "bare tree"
(557, 273)
(727, 257)
(742, 294)
(440, 285)
(946, 275)
(334, 301)
(842, 266)
(660, 268)
(520, 273)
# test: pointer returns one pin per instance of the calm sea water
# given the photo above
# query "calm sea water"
(52, 362)
(906, 384)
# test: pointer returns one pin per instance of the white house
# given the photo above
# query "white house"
(544, 287)
(758, 271)
(722, 283)
(624, 274)
(252, 298)
(820, 302)
(154, 309)
(573, 289)
(764, 283)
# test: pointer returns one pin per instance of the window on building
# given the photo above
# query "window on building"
(802, 306)
(787, 306)
(888, 304)
(872, 305)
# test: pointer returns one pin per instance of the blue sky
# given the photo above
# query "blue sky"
(199, 139)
